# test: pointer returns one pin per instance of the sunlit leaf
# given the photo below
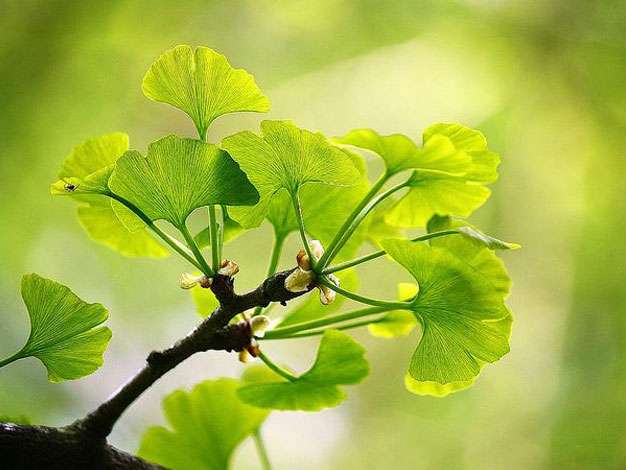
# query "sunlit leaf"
(285, 158)
(205, 426)
(398, 322)
(177, 176)
(86, 172)
(458, 312)
(202, 84)
(441, 390)
(88, 167)
(473, 251)
(451, 180)
(400, 153)
(65, 334)
(339, 361)
(311, 308)
(376, 224)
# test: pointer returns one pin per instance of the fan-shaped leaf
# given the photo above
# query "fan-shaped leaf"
(63, 332)
(458, 311)
(177, 176)
(398, 322)
(202, 84)
(285, 158)
(339, 361)
(205, 427)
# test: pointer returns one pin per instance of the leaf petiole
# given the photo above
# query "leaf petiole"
(215, 239)
(204, 266)
(324, 260)
(276, 368)
(362, 299)
(305, 240)
(261, 450)
(321, 331)
(172, 242)
(379, 253)
(326, 321)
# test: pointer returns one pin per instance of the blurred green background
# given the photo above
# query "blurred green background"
(546, 82)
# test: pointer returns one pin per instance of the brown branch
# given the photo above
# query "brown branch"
(87, 437)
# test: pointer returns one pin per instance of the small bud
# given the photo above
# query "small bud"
(259, 325)
(244, 356)
(254, 349)
(189, 281)
(303, 260)
(327, 295)
(317, 250)
(228, 268)
(299, 280)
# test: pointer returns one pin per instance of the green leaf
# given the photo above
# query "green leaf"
(458, 311)
(103, 225)
(398, 322)
(202, 84)
(177, 176)
(401, 153)
(339, 361)
(451, 178)
(88, 168)
(441, 390)
(324, 210)
(63, 332)
(285, 158)
(473, 250)
(89, 165)
(311, 308)
(205, 427)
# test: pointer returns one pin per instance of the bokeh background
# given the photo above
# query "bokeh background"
(545, 80)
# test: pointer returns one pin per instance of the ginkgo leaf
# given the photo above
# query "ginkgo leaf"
(65, 334)
(177, 176)
(311, 308)
(89, 165)
(473, 251)
(457, 310)
(452, 179)
(103, 225)
(285, 158)
(205, 426)
(398, 322)
(85, 176)
(339, 361)
(400, 153)
(441, 390)
(202, 84)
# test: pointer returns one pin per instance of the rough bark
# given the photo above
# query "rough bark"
(83, 445)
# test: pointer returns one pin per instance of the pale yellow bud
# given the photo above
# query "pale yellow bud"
(259, 325)
(189, 281)
(228, 268)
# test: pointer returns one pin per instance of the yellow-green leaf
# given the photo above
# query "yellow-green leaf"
(203, 84)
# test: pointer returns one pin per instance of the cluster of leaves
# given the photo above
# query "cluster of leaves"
(300, 182)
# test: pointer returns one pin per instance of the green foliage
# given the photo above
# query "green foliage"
(64, 333)
(339, 361)
(19, 419)
(458, 312)
(202, 84)
(87, 169)
(178, 176)
(205, 427)
(398, 322)
(285, 158)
